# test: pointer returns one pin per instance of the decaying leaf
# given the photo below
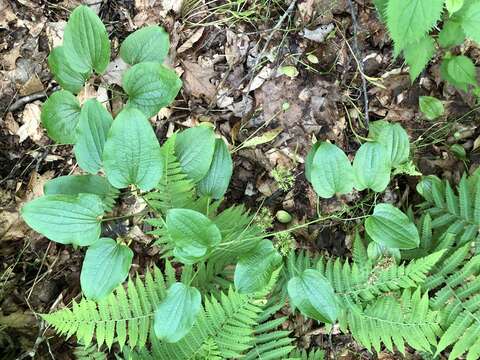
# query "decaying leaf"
(262, 139)
(31, 127)
(196, 80)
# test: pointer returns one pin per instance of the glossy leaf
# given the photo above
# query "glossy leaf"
(215, 183)
(395, 139)
(78, 184)
(313, 295)
(193, 234)
(331, 171)
(431, 107)
(176, 314)
(194, 149)
(150, 86)
(66, 219)
(86, 41)
(60, 116)
(371, 167)
(453, 5)
(132, 153)
(254, 269)
(105, 266)
(93, 126)
(150, 43)
(390, 227)
(63, 73)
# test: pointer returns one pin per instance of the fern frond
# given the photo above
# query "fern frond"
(175, 189)
(454, 212)
(393, 321)
(89, 353)
(457, 283)
(121, 316)
(353, 284)
(316, 354)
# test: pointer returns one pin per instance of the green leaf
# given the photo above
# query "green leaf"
(194, 149)
(309, 161)
(418, 54)
(176, 314)
(105, 266)
(390, 227)
(451, 35)
(254, 269)
(331, 171)
(264, 138)
(86, 41)
(66, 219)
(371, 167)
(459, 71)
(453, 5)
(132, 153)
(150, 86)
(313, 295)
(150, 43)
(60, 116)
(63, 73)
(93, 126)
(459, 151)
(410, 20)
(470, 20)
(431, 107)
(395, 139)
(381, 6)
(193, 234)
(215, 183)
(88, 184)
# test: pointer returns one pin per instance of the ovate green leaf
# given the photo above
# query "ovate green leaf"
(372, 167)
(254, 269)
(193, 234)
(331, 171)
(150, 43)
(132, 153)
(93, 126)
(67, 219)
(390, 227)
(60, 115)
(78, 184)
(313, 295)
(150, 86)
(105, 266)
(395, 139)
(194, 149)
(309, 161)
(431, 107)
(63, 73)
(453, 5)
(418, 54)
(470, 20)
(86, 41)
(410, 20)
(451, 35)
(459, 71)
(215, 183)
(176, 314)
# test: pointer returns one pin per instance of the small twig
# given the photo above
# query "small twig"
(27, 99)
(360, 62)
(269, 39)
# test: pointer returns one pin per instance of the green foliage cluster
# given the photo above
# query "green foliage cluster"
(413, 25)
(411, 281)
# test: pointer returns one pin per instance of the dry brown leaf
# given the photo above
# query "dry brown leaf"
(236, 47)
(6, 14)
(9, 60)
(113, 74)
(33, 85)
(12, 226)
(191, 40)
(88, 92)
(36, 183)
(10, 124)
(31, 123)
(54, 32)
(196, 80)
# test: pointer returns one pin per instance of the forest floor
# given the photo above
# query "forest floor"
(287, 71)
